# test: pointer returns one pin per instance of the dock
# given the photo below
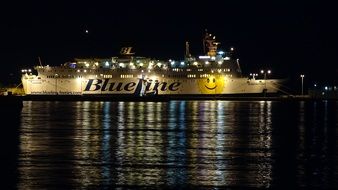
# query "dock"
(8, 101)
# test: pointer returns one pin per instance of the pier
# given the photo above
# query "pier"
(16, 101)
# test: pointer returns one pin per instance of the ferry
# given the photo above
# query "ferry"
(216, 73)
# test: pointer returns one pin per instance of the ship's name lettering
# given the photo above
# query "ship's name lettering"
(107, 85)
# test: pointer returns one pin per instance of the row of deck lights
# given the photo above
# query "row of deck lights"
(26, 71)
(151, 64)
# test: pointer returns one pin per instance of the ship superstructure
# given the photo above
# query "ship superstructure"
(215, 73)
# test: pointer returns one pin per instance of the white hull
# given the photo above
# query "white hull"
(96, 86)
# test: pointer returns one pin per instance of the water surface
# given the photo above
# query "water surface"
(263, 144)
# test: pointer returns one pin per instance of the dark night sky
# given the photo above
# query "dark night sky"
(287, 36)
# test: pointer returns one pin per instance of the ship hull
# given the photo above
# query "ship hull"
(216, 85)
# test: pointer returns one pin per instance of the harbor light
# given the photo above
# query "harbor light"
(265, 78)
(253, 75)
(302, 76)
(264, 71)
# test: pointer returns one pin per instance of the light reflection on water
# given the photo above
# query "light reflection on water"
(176, 143)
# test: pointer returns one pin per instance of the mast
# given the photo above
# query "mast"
(40, 61)
(239, 70)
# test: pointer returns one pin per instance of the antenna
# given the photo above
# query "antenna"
(205, 36)
(187, 51)
(39, 60)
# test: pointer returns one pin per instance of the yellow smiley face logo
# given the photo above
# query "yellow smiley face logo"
(212, 85)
